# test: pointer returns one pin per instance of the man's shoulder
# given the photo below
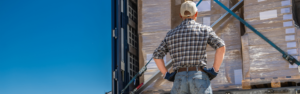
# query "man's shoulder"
(202, 27)
(207, 28)
(170, 32)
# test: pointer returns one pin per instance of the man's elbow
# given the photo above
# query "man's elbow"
(222, 49)
(155, 59)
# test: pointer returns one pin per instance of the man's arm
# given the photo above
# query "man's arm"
(158, 55)
(220, 52)
(217, 43)
(161, 66)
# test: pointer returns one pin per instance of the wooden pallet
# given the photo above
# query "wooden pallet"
(227, 87)
(160, 91)
(274, 82)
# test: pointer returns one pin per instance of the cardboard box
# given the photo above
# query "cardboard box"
(230, 73)
(273, 18)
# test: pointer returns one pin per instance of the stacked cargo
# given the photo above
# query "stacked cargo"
(263, 64)
(154, 23)
(230, 73)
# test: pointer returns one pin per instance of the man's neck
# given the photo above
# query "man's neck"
(188, 18)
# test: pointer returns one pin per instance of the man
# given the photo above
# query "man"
(187, 47)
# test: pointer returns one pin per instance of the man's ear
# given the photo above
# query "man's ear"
(196, 14)
(180, 15)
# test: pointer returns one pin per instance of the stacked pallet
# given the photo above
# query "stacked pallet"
(230, 73)
(154, 23)
(263, 65)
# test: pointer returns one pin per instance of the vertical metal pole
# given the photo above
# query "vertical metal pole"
(113, 11)
(119, 56)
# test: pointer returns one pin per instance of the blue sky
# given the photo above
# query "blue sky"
(55, 46)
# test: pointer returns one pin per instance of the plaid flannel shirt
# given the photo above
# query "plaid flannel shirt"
(187, 44)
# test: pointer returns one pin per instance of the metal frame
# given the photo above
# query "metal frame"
(282, 90)
(285, 55)
(225, 16)
(122, 49)
(132, 42)
(116, 25)
(153, 78)
(296, 14)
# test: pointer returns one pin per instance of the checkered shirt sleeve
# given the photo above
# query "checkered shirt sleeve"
(214, 41)
(161, 50)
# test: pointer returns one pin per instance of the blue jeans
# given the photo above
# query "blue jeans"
(192, 82)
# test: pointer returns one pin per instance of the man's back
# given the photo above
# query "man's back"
(187, 44)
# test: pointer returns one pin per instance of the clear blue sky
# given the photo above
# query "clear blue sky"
(55, 46)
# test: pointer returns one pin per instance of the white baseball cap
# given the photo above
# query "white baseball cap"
(188, 6)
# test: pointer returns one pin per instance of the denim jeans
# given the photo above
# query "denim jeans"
(192, 82)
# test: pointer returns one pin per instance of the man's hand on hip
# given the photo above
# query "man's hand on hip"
(170, 76)
(210, 72)
(213, 72)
